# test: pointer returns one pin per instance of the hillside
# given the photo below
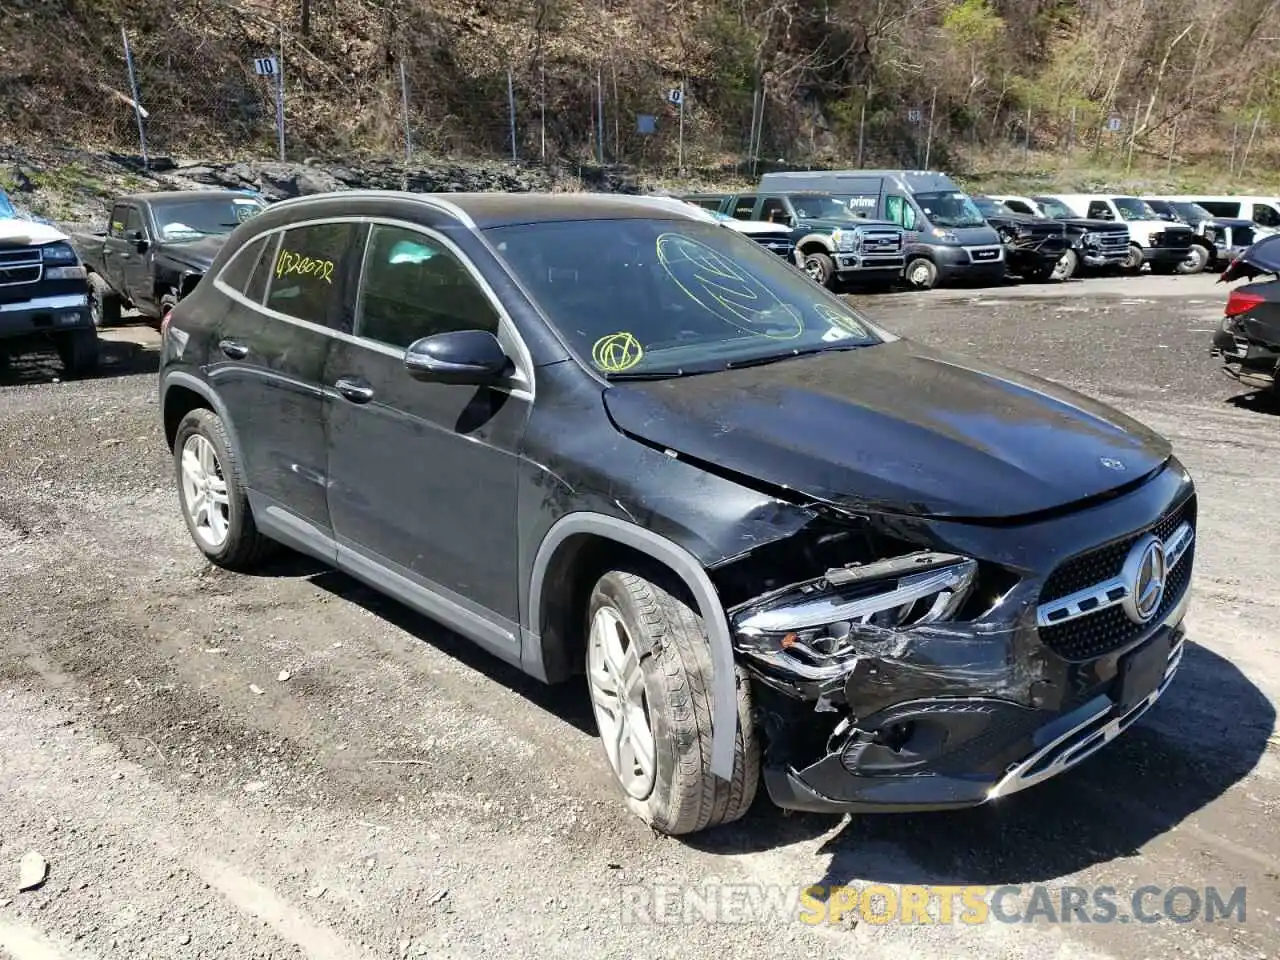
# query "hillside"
(995, 90)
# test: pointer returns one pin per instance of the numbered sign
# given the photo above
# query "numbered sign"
(913, 116)
(265, 66)
(675, 96)
(1114, 124)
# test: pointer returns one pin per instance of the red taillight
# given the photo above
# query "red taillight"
(164, 323)
(1239, 302)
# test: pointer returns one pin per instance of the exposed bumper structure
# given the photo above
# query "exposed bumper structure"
(928, 710)
(44, 315)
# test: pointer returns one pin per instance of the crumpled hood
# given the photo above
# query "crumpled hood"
(198, 254)
(898, 428)
(15, 230)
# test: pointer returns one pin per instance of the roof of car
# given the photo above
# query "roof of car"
(159, 196)
(483, 210)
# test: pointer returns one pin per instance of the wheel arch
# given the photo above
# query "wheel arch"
(815, 243)
(180, 394)
(571, 556)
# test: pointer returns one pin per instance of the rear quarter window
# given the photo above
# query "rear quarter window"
(249, 267)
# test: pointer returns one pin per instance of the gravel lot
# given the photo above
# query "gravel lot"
(287, 765)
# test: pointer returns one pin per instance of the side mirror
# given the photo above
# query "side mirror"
(140, 240)
(460, 356)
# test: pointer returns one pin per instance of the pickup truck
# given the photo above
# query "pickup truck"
(1095, 245)
(157, 246)
(44, 296)
(1035, 247)
(831, 244)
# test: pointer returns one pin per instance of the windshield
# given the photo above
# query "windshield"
(989, 207)
(1164, 210)
(1131, 208)
(659, 298)
(820, 207)
(1191, 211)
(1055, 209)
(192, 219)
(950, 209)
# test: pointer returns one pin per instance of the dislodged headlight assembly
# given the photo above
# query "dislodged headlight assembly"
(815, 629)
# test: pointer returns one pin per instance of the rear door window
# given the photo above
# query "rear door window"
(307, 273)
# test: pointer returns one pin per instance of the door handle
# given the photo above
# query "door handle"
(355, 389)
(233, 349)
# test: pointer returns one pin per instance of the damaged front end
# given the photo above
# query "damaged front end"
(915, 682)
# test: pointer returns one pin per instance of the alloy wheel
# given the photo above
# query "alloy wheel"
(204, 492)
(616, 681)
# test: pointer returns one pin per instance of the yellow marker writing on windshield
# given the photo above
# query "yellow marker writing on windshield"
(617, 352)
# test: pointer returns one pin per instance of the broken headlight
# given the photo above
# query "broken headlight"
(818, 628)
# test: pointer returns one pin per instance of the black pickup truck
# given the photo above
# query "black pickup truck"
(831, 243)
(157, 246)
(1034, 247)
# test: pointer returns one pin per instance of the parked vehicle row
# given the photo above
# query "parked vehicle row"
(838, 219)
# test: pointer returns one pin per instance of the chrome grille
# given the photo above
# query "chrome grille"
(1091, 634)
(20, 265)
(782, 246)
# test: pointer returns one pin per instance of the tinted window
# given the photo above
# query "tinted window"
(133, 223)
(306, 272)
(950, 209)
(413, 287)
(238, 272)
(1266, 215)
(1017, 206)
(1100, 210)
(118, 216)
(662, 297)
(1220, 208)
(743, 207)
(191, 219)
(774, 210)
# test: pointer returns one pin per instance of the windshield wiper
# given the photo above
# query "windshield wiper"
(646, 375)
(790, 355)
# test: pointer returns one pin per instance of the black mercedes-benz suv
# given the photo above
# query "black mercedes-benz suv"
(602, 437)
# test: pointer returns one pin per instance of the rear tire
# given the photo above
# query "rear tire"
(211, 489)
(79, 352)
(649, 676)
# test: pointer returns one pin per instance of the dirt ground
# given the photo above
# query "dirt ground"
(288, 766)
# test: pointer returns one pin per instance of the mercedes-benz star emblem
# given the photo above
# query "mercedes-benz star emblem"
(1111, 463)
(1145, 573)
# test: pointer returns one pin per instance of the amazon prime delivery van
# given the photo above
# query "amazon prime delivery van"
(947, 236)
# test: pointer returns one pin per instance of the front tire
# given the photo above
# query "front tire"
(820, 268)
(212, 491)
(104, 305)
(1196, 261)
(1066, 266)
(649, 676)
(79, 352)
(920, 273)
(1134, 261)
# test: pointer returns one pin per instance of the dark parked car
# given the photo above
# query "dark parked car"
(157, 246)
(1218, 240)
(1034, 246)
(601, 436)
(1248, 339)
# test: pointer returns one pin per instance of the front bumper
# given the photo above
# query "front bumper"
(958, 713)
(976, 263)
(42, 316)
(1019, 748)
(1165, 255)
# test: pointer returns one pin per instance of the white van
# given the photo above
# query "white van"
(1161, 244)
(1264, 211)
